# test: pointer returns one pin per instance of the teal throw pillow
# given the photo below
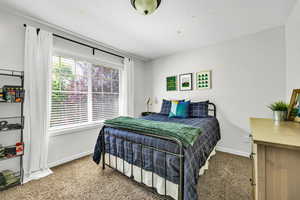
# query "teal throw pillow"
(179, 109)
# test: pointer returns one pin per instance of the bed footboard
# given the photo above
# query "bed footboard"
(180, 155)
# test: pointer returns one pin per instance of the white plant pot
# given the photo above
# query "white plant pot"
(280, 115)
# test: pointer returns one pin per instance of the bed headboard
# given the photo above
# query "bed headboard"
(212, 109)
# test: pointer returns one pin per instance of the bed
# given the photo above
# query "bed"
(162, 164)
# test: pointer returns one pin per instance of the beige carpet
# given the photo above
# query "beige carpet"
(227, 179)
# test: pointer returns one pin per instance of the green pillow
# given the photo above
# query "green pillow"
(179, 109)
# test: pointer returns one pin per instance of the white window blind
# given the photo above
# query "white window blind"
(82, 92)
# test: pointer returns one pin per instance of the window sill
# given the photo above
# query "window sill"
(75, 129)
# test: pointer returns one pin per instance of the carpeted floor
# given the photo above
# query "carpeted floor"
(227, 179)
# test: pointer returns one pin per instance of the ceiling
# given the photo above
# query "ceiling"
(177, 25)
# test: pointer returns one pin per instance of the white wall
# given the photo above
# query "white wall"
(293, 50)
(74, 143)
(247, 74)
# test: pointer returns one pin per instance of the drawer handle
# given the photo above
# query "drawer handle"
(252, 182)
(251, 155)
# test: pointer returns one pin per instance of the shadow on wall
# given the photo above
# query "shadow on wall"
(233, 137)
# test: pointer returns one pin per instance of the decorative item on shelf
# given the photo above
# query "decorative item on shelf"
(280, 110)
(186, 82)
(8, 178)
(148, 103)
(203, 80)
(14, 126)
(5, 126)
(13, 94)
(10, 152)
(171, 83)
(19, 148)
(294, 108)
(2, 153)
(145, 7)
(1, 95)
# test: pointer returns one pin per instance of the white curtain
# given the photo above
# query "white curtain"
(127, 98)
(37, 65)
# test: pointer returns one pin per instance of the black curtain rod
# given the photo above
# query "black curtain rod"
(86, 45)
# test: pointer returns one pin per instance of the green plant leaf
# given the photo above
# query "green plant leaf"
(279, 106)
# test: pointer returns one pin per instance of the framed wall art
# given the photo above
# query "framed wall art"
(294, 108)
(186, 82)
(203, 80)
(171, 83)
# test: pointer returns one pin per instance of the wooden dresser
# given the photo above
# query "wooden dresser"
(276, 158)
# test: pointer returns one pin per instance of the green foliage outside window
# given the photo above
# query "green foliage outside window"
(62, 78)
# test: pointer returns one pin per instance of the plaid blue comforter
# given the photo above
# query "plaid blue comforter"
(195, 156)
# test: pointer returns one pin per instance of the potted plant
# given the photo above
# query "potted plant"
(280, 110)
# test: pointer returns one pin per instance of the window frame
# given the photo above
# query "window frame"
(65, 129)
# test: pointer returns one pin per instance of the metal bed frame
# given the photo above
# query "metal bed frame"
(179, 155)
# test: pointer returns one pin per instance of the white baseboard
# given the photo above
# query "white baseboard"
(37, 175)
(233, 151)
(70, 158)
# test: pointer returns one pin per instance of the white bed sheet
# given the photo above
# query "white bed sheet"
(158, 182)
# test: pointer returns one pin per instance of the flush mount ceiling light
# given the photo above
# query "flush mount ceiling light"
(145, 7)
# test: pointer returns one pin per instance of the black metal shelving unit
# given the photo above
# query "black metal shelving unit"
(17, 176)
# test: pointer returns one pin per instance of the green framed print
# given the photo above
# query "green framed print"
(172, 83)
(186, 82)
(203, 80)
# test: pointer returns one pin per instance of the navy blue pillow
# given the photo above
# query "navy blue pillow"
(166, 107)
(199, 109)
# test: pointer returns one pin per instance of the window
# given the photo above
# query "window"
(82, 92)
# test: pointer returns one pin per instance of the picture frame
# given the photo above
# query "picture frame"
(186, 82)
(171, 83)
(294, 107)
(203, 80)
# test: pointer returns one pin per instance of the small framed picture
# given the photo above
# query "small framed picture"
(186, 82)
(294, 108)
(172, 83)
(203, 80)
